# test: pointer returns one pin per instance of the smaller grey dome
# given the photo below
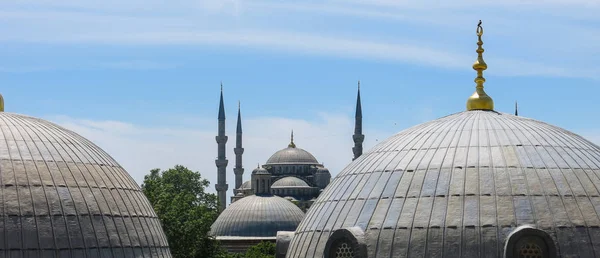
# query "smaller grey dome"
(257, 216)
(260, 171)
(246, 185)
(289, 181)
(292, 155)
(322, 170)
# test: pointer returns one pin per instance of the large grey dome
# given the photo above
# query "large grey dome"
(63, 196)
(462, 185)
(292, 155)
(257, 216)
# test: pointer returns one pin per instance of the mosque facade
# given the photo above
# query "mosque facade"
(278, 194)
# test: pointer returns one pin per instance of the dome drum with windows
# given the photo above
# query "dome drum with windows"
(478, 183)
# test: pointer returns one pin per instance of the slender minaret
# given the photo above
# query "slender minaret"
(238, 150)
(221, 161)
(516, 109)
(358, 136)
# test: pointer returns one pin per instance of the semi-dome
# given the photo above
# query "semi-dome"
(289, 181)
(292, 156)
(246, 185)
(322, 170)
(462, 185)
(63, 196)
(257, 216)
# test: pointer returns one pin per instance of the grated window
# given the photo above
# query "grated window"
(530, 250)
(343, 250)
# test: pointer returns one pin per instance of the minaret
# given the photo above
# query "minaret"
(358, 137)
(238, 150)
(221, 161)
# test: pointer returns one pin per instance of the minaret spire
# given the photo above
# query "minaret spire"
(516, 109)
(358, 137)
(221, 160)
(238, 170)
(480, 100)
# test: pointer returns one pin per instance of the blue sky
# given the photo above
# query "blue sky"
(141, 78)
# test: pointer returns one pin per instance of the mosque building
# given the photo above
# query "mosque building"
(278, 193)
(63, 196)
(477, 183)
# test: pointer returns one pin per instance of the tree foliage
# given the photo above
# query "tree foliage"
(185, 210)
(262, 250)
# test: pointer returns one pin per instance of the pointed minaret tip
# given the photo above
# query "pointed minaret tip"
(221, 106)
(239, 118)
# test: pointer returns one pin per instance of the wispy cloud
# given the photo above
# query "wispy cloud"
(139, 65)
(420, 32)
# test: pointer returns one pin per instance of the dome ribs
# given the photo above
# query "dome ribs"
(458, 185)
(61, 179)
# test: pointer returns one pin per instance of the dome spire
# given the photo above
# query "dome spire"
(480, 100)
(292, 144)
(516, 109)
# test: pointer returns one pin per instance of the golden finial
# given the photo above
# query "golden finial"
(1, 103)
(292, 144)
(480, 100)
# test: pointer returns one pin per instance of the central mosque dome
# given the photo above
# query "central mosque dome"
(63, 196)
(477, 183)
(292, 155)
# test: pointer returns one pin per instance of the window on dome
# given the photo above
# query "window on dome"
(529, 242)
(342, 249)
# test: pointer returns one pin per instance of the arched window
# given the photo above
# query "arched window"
(529, 242)
(346, 243)
(342, 248)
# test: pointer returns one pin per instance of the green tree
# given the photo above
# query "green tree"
(262, 250)
(185, 210)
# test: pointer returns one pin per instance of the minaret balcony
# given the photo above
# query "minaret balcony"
(221, 187)
(238, 151)
(221, 162)
(221, 138)
(358, 137)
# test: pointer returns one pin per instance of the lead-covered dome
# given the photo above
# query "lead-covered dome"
(289, 181)
(462, 185)
(292, 156)
(257, 216)
(63, 196)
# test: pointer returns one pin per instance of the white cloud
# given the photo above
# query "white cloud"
(282, 26)
(139, 149)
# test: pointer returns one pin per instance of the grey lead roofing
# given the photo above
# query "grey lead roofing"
(257, 216)
(458, 185)
(292, 156)
(63, 196)
(289, 181)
